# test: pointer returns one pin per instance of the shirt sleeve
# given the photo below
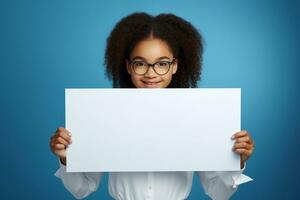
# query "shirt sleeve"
(79, 184)
(220, 185)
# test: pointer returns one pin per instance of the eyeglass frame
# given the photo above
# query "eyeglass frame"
(152, 65)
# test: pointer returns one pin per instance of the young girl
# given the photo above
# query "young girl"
(145, 51)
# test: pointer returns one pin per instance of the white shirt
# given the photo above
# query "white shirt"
(218, 185)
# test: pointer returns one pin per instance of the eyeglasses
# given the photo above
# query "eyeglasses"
(160, 67)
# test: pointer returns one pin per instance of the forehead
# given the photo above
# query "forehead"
(151, 49)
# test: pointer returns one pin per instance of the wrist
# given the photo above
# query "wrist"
(63, 161)
(242, 164)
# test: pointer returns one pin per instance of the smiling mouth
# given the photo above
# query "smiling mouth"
(150, 83)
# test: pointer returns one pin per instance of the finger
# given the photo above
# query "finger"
(243, 152)
(242, 145)
(51, 144)
(239, 134)
(244, 139)
(61, 140)
(65, 135)
(59, 146)
(53, 136)
(251, 140)
(62, 129)
(59, 129)
(249, 135)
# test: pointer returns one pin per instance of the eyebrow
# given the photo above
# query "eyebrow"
(142, 58)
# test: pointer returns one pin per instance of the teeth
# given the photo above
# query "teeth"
(151, 83)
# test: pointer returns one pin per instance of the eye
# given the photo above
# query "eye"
(138, 64)
(162, 64)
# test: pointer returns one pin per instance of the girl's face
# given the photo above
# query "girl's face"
(151, 51)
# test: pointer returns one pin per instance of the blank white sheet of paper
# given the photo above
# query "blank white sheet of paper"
(159, 129)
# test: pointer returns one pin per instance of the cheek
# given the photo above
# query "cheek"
(136, 81)
(166, 80)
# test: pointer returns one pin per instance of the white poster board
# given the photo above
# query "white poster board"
(152, 129)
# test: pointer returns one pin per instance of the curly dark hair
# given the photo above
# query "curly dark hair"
(184, 40)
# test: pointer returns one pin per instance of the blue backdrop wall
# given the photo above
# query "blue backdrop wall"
(47, 46)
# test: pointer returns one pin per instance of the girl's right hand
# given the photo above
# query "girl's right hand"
(59, 142)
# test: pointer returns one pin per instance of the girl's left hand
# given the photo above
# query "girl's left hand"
(244, 145)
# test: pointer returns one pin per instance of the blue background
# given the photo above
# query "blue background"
(47, 46)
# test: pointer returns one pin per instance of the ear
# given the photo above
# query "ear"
(174, 68)
(128, 67)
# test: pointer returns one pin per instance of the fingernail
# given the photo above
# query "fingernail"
(232, 137)
(70, 134)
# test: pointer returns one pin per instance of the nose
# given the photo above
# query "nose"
(150, 73)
